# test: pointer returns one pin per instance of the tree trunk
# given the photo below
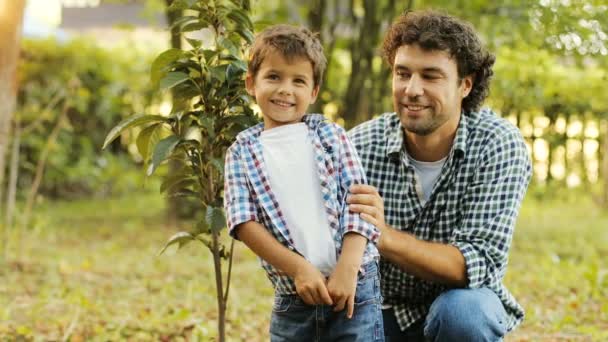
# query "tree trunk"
(29, 205)
(11, 18)
(604, 160)
(13, 176)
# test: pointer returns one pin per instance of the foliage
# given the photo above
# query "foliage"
(98, 87)
(211, 107)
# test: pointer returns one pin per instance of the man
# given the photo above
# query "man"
(450, 179)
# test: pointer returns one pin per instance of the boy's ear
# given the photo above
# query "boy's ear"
(249, 84)
(315, 92)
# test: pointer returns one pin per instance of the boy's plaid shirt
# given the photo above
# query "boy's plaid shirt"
(473, 206)
(249, 197)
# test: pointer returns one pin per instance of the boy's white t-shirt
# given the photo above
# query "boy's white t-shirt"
(294, 179)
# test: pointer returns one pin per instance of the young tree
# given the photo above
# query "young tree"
(208, 78)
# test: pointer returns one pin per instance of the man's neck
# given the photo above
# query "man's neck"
(434, 146)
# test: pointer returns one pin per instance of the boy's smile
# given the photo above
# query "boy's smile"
(283, 88)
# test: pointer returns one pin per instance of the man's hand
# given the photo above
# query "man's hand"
(310, 285)
(365, 200)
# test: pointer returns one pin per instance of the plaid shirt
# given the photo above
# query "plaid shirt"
(473, 205)
(248, 195)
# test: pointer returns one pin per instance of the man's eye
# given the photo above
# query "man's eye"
(402, 74)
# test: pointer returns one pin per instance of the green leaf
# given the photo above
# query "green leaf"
(161, 62)
(195, 43)
(162, 150)
(202, 227)
(130, 122)
(219, 72)
(174, 178)
(184, 193)
(241, 18)
(181, 238)
(172, 79)
(218, 164)
(195, 26)
(144, 138)
(215, 218)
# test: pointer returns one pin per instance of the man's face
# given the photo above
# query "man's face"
(427, 92)
(283, 89)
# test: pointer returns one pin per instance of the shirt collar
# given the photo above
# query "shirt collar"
(394, 136)
(311, 120)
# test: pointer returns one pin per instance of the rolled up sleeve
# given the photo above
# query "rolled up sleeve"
(491, 204)
(238, 201)
(351, 172)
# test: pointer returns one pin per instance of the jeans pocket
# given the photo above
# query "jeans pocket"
(281, 304)
(368, 290)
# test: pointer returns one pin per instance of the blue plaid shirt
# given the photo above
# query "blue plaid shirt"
(473, 205)
(248, 195)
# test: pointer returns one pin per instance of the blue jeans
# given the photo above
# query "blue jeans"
(294, 320)
(456, 315)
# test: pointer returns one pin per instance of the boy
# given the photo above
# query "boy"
(287, 180)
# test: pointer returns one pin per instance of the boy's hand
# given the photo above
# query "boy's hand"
(342, 287)
(310, 285)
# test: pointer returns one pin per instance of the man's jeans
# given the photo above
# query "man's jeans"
(294, 320)
(456, 315)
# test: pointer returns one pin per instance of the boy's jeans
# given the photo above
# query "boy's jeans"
(294, 320)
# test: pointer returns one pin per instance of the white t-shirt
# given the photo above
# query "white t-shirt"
(294, 179)
(427, 174)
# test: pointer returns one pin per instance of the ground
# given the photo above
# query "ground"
(89, 270)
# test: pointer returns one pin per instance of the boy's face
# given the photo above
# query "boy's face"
(283, 89)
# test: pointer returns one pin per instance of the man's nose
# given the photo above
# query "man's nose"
(414, 86)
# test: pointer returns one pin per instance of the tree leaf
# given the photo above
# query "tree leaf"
(161, 62)
(175, 178)
(181, 238)
(219, 72)
(218, 164)
(162, 150)
(172, 79)
(215, 218)
(143, 140)
(130, 122)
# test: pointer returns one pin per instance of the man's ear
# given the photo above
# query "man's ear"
(250, 84)
(467, 85)
(315, 93)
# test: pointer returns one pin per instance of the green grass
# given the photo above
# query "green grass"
(89, 270)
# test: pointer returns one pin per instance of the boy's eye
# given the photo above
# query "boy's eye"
(299, 80)
(273, 77)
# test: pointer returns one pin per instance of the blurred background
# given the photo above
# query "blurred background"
(81, 227)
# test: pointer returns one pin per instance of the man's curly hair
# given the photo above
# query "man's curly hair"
(433, 30)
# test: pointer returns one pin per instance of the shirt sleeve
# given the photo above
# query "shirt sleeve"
(491, 205)
(351, 172)
(238, 202)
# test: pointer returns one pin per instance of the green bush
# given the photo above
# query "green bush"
(96, 87)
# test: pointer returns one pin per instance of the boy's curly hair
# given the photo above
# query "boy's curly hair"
(433, 30)
(291, 42)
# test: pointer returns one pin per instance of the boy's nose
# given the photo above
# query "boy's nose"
(285, 90)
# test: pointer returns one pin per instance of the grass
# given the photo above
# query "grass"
(89, 270)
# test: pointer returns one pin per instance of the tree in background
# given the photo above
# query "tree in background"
(11, 16)
(207, 80)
